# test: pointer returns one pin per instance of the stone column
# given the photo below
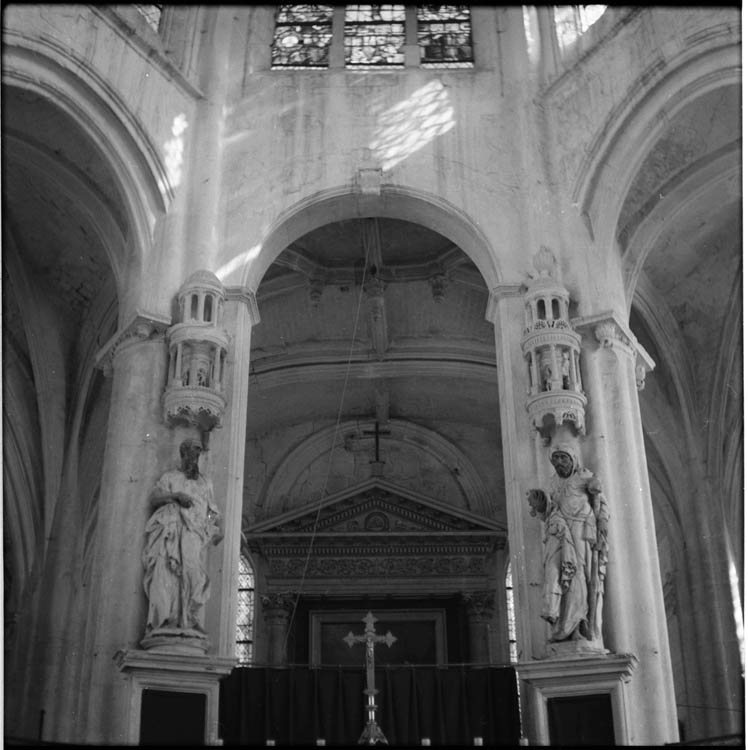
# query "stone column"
(634, 619)
(277, 608)
(227, 464)
(138, 447)
(480, 607)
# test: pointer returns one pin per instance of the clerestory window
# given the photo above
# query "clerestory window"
(245, 613)
(387, 36)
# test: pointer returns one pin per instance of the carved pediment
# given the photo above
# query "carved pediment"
(376, 529)
(376, 508)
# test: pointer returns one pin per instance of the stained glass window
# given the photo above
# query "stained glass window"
(510, 620)
(374, 35)
(245, 613)
(444, 35)
(302, 36)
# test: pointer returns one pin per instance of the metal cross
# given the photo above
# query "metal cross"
(372, 734)
(376, 432)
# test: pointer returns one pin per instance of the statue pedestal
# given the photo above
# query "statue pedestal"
(574, 649)
(175, 641)
(173, 697)
(576, 693)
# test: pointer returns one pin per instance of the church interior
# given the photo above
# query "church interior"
(372, 373)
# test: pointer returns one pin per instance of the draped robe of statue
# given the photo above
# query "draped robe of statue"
(575, 516)
(176, 580)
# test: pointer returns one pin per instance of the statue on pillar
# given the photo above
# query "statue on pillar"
(183, 523)
(575, 541)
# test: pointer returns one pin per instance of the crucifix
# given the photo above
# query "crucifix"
(377, 463)
(372, 734)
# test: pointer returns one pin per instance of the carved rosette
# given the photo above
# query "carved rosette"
(551, 348)
(198, 347)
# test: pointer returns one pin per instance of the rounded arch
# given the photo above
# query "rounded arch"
(628, 135)
(334, 205)
(712, 183)
(109, 125)
(471, 485)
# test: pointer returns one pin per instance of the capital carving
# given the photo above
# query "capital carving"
(607, 334)
(479, 603)
(142, 327)
(278, 602)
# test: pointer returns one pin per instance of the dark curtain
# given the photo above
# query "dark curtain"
(297, 705)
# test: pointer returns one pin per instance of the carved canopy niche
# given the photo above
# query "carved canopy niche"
(377, 538)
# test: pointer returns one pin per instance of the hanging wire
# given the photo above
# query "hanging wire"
(366, 244)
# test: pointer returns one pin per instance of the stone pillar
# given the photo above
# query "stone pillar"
(480, 607)
(138, 446)
(227, 462)
(634, 620)
(277, 608)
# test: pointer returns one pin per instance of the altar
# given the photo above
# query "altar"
(299, 705)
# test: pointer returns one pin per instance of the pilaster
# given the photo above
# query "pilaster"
(276, 609)
(480, 607)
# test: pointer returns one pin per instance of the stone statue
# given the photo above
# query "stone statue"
(575, 541)
(565, 371)
(183, 523)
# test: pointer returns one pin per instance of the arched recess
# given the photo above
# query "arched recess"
(628, 135)
(142, 183)
(80, 200)
(329, 206)
(455, 463)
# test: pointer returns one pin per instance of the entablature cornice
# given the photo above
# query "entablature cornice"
(244, 295)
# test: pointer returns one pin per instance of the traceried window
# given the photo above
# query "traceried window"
(376, 37)
(444, 35)
(245, 613)
(302, 36)
(510, 620)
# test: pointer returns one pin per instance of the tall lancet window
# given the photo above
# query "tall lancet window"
(510, 622)
(245, 613)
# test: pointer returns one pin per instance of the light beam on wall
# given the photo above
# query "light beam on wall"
(737, 611)
(174, 150)
(412, 123)
(237, 262)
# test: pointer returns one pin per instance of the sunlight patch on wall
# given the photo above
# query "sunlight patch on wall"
(738, 611)
(412, 123)
(573, 20)
(174, 150)
(227, 269)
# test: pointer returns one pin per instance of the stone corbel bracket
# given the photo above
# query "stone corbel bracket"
(612, 333)
(142, 327)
